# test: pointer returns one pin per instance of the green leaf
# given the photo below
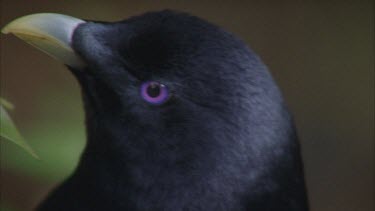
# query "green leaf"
(9, 131)
(7, 105)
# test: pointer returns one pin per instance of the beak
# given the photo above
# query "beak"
(51, 33)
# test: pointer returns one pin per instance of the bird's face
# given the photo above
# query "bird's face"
(164, 81)
(158, 70)
(168, 81)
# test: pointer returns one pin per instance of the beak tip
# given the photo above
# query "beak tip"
(13, 25)
(5, 29)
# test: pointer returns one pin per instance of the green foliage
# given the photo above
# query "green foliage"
(8, 130)
(58, 136)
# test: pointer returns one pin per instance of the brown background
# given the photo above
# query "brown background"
(321, 53)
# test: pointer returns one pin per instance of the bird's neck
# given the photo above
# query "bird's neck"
(120, 174)
(133, 184)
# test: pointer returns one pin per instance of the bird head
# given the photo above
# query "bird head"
(169, 96)
(170, 89)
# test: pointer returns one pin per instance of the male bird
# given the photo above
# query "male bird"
(180, 116)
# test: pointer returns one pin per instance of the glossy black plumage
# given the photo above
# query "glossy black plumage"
(225, 141)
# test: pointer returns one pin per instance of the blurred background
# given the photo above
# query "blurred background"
(321, 53)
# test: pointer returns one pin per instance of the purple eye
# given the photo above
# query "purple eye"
(154, 92)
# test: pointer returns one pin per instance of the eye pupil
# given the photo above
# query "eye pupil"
(153, 90)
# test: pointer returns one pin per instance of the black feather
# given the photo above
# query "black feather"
(225, 140)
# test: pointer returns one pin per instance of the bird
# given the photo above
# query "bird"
(180, 115)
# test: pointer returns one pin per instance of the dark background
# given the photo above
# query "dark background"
(321, 53)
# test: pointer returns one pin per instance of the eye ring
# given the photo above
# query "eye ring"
(154, 92)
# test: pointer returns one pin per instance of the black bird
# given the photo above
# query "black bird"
(181, 116)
